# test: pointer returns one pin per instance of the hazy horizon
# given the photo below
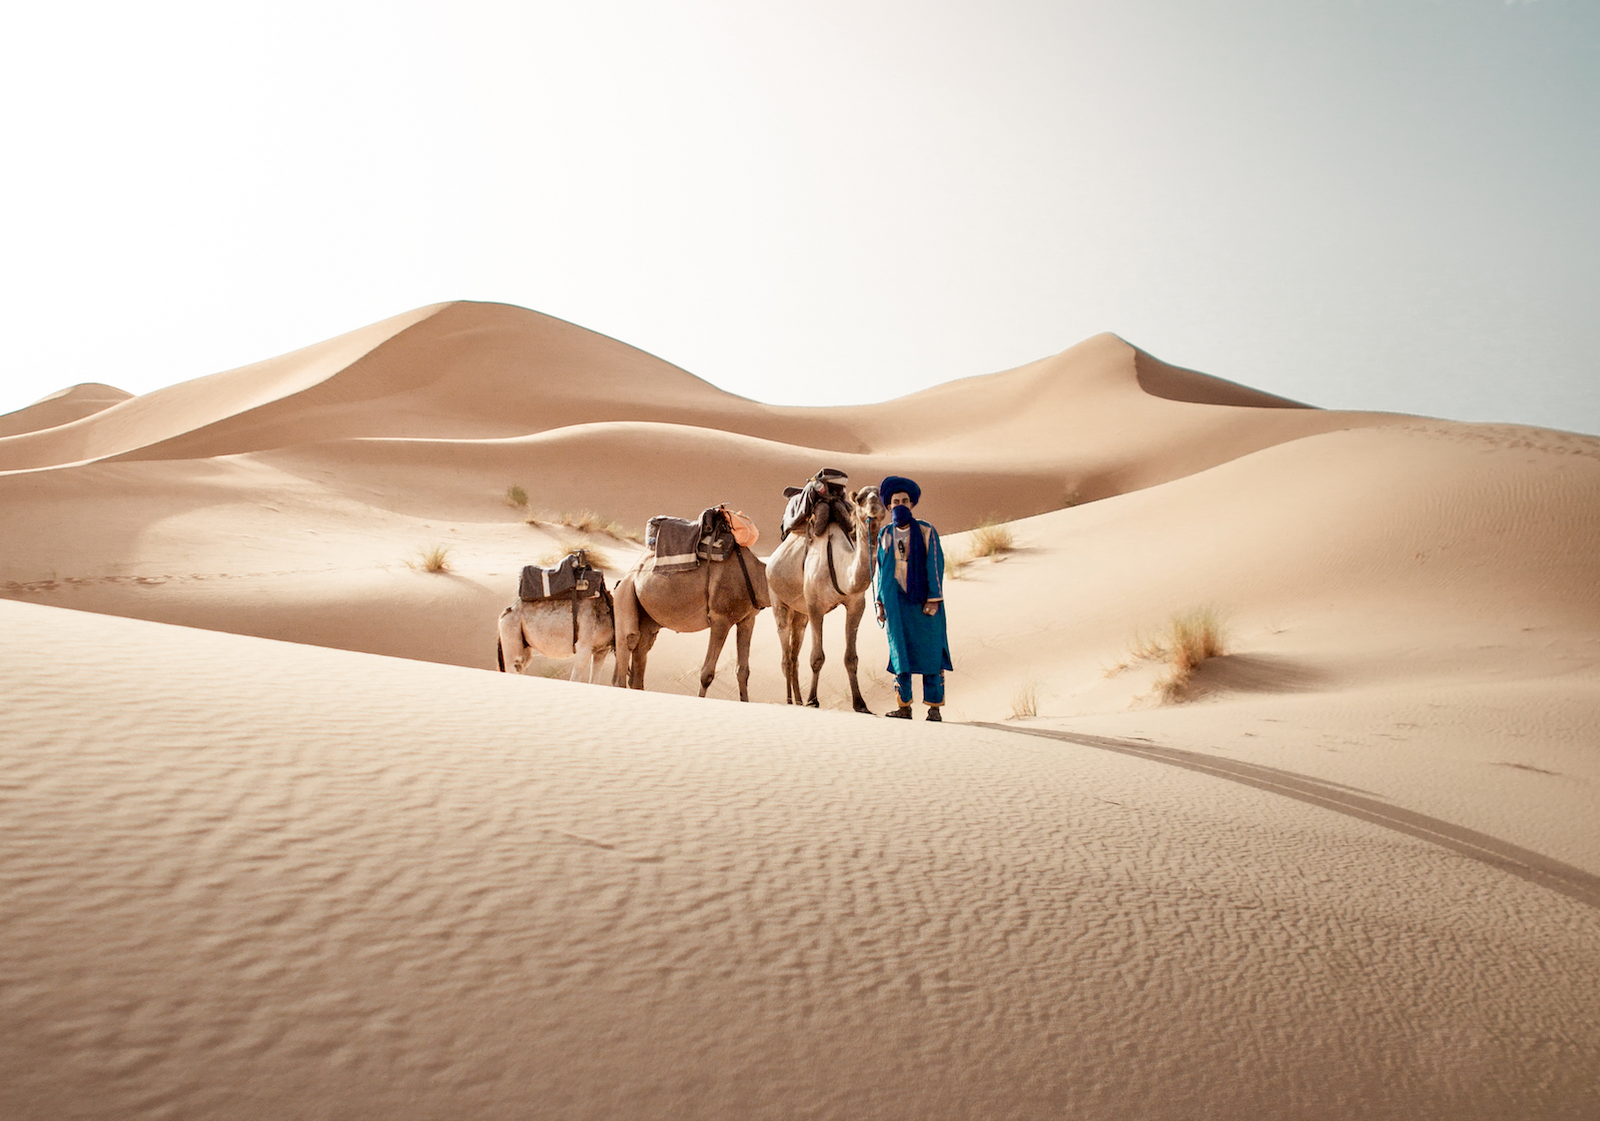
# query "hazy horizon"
(1357, 205)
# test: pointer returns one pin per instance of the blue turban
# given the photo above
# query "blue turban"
(894, 485)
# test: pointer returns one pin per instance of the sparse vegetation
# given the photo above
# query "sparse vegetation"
(587, 521)
(991, 539)
(435, 558)
(516, 496)
(1071, 497)
(597, 557)
(622, 533)
(955, 563)
(1025, 701)
(1186, 641)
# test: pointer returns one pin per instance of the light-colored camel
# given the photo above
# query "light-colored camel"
(810, 576)
(545, 625)
(720, 595)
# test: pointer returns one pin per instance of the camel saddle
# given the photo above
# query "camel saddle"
(573, 578)
(682, 545)
(813, 506)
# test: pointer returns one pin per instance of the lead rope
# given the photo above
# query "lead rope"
(574, 618)
(833, 577)
(749, 585)
(877, 602)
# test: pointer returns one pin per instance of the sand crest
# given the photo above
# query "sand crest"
(325, 865)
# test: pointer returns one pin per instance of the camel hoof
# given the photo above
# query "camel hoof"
(812, 704)
(864, 710)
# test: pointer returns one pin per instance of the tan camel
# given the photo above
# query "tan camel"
(722, 595)
(546, 626)
(810, 576)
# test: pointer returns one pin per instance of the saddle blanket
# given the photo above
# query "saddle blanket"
(676, 542)
(680, 545)
(563, 579)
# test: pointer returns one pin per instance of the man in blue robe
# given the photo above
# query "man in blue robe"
(910, 591)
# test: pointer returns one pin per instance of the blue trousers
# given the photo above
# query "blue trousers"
(932, 688)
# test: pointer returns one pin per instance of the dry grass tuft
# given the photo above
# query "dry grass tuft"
(623, 533)
(516, 496)
(955, 564)
(435, 558)
(1151, 649)
(1187, 640)
(587, 521)
(1025, 701)
(597, 557)
(991, 539)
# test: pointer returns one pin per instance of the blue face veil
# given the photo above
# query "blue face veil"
(917, 548)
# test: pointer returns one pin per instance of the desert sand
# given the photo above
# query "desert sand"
(278, 842)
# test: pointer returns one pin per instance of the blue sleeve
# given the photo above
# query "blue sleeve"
(884, 576)
(935, 564)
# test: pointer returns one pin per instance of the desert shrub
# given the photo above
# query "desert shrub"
(1195, 637)
(1186, 641)
(990, 539)
(1025, 701)
(955, 563)
(435, 558)
(516, 496)
(622, 532)
(587, 521)
(597, 557)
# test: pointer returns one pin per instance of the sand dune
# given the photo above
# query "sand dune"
(291, 879)
(165, 414)
(1077, 426)
(62, 408)
(272, 881)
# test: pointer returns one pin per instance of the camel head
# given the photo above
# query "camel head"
(870, 509)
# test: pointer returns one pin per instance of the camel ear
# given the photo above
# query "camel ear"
(860, 496)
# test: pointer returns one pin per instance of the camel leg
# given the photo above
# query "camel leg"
(619, 668)
(719, 636)
(597, 658)
(642, 642)
(818, 656)
(792, 640)
(853, 610)
(585, 660)
(513, 648)
(593, 640)
(791, 627)
(780, 616)
(746, 629)
(624, 629)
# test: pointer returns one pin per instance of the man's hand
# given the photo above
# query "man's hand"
(931, 607)
(881, 615)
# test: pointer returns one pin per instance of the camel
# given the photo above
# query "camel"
(722, 595)
(545, 625)
(810, 576)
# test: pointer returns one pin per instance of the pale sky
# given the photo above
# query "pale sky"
(1386, 204)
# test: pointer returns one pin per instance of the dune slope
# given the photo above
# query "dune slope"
(64, 407)
(249, 879)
